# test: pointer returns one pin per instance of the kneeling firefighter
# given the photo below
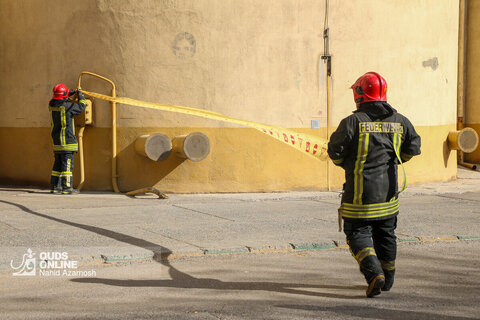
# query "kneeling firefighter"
(63, 135)
(368, 145)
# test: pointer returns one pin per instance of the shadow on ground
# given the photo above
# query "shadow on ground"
(181, 279)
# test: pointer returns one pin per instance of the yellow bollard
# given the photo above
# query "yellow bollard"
(155, 146)
(465, 140)
(194, 146)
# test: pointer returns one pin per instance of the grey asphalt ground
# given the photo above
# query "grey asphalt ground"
(99, 227)
(235, 256)
(435, 280)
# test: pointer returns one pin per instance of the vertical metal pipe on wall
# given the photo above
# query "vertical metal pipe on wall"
(462, 54)
(114, 145)
(114, 130)
(462, 76)
(328, 60)
(114, 142)
(329, 75)
(81, 157)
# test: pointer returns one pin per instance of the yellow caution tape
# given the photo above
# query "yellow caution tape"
(314, 146)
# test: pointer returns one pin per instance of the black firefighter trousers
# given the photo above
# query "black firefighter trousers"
(62, 172)
(374, 245)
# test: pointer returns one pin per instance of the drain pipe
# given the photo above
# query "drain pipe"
(327, 57)
(462, 81)
(114, 141)
(329, 116)
(87, 120)
(114, 129)
(114, 145)
(81, 157)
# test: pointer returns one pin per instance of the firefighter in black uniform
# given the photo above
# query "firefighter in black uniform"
(368, 145)
(63, 135)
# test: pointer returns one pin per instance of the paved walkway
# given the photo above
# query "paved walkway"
(98, 227)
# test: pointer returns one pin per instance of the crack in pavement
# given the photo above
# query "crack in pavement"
(171, 238)
(208, 214)
(325, 220)
(6, 224)
(456, 198)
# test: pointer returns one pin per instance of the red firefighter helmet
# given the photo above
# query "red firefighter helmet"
(370, 87)
(60, 92)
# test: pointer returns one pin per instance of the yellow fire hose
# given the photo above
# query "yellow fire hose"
(309, 144)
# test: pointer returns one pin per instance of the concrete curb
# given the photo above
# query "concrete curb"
(291, 247)
(90, 260)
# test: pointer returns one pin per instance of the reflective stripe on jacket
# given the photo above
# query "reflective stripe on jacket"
(62, 123)
(366, 145)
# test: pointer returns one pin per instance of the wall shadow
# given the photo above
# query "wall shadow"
(446, 153)
(136, 171)
(183, 280)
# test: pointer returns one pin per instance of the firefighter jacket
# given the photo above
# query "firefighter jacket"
(63, 126)
(369, 144)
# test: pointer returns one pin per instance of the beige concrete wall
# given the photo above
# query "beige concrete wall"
(254, 60)
(248, 55)
(413, 44)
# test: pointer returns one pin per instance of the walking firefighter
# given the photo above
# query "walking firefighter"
(368, 145)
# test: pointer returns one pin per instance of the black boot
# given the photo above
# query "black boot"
(388, 268)
(375, 286)
(55, 185)
(372, 270)
(70, 191)
(67, 186)
(56, 190)
(389, 277)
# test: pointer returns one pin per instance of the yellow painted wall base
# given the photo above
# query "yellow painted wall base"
(241, 160)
